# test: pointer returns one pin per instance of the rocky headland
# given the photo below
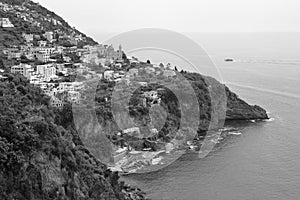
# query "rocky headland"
(42, 155)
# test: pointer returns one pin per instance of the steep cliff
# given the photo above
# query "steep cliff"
(39, 159)
(238, 109)
(41, 153)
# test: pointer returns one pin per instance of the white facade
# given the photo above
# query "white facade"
(43, 56)
(109, 74)
(28, 37)
(169, 73)
(151, 94)
(48, 71)
(49, 36)
(66, 86)
(150, 70)
(73, 97)
(42, 43)
(13, 53)
(24, 69)
(133, 72)
(5, 23)
(55, 102)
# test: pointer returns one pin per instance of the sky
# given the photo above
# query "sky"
(115, 16)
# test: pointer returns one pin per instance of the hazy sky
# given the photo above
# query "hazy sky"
(94, 16)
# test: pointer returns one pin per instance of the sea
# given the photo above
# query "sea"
(256, 160)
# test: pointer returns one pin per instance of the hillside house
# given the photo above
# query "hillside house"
(5, 23)
(43, 56)
(55, 102)
(74, 97)
(169, 73)
(48, 71)
(28, 37)
(109, 75)
(133, 72)
(49, 36)
(24, 69)
(42, 43)
(13, 53)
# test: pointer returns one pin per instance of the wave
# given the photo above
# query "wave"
(234, 133)
(269, 120)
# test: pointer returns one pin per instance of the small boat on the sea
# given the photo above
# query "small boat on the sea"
(228, 60)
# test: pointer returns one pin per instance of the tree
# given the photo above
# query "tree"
(148, 62)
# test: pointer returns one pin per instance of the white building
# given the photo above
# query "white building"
(109, 74)
(43, 56)
(49, 36)
(55, 102)
(149, 70)
(59, 49)
(42, 43)
(24, 69)
(28, 37)
(74, 97)
(67, 59)
(28, 55)
(151, 94)
(102, 50)
(118, 65)
(13, 53)
(5, 23)
(48, 71)
(134, 131)
(133, 72)
(66, 87)
(169, 73)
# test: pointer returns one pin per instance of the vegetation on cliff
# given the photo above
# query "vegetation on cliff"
(41, 153)
(210, 102)
(40, 159)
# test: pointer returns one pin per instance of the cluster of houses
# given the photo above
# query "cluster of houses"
(30, 16)
(43, 76)
(44, 49)
(48, 64)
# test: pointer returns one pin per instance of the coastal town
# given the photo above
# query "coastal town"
(59, 64)
(62, 62)
(81, 119)
(54, 67)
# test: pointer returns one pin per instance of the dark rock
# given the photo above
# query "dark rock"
(237, 109)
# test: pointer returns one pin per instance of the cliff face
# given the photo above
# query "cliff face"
(41, 154)
(217, 104)
(40, 159)
(234, 107)
(237, 109)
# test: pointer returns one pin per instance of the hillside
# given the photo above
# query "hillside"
(42, 154)
(30, 17)
(39, 159)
